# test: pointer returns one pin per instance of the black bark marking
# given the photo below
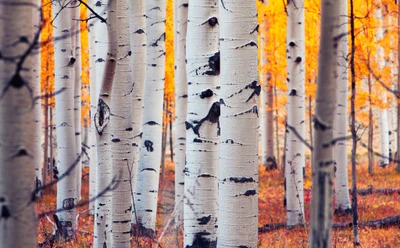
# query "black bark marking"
(293, 92)
(148, 169)
(151, 123)
(161, 38)
(149, 145)
(139, 31)
(292, 44)
(207, 93)
(254, 109)
(323, 164)
(71, 62)
(255, 29)
(68, 203)
(212, 21)
(148, 210)
(214, 65)
(250, 192)
(205, 176)
(99, 60)
(212, 116)
(5, 212)
(102, 117)
(201, 241)
(98, 4)
(204, 220)
(116, 140)
(298, 60)
(241, 179)
(254, 86)
(318, 125)
(251, 44)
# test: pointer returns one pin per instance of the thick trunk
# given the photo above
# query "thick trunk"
(321, 202)
(121, 133)
(202, 125)
(65, 126)
(102, 228)
(137, 29)
(295, 157)
(181, 98)
(18, 154)
(340, 120)
(238, 167)
(398, 96)
(150, 153)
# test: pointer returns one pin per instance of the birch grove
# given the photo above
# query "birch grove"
(202, 125)
(295, 155)
(238, 165)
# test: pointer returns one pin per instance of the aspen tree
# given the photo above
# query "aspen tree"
(181, 97)
(340, 120)
(150, 153)
(137, 29)
(238, 165)
(18, 156)
(202, 125)
(295, 156)
(102, 228)
(321, 201)
(121, 133)
(65, 126)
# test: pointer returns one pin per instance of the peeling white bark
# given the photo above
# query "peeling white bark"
(137, 29)
(295, 156)
(181, 16)
(17, 133)
(202, 125)
(341, 118)
(65, 126)
(102, 228)
(238, 166)
(150, 153)
(121, 133)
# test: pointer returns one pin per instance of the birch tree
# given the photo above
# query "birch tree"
(340, 121)
(295, 157)
(137, 27)
(181, 97)
(17, 151)
(238, 166)
(65, 126)
(202, 125)
(121, 133)
(102, 235)
(322, 170)
(150, 153)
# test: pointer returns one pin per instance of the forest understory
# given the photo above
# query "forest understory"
(271, 212)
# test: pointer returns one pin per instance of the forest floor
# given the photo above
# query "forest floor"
(271, 211)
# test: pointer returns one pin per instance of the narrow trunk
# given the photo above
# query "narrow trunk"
(295, 157)
(181, 16)
(321, 201)
(102, 227)
(370, 124)
(271, 160)
(150, 153)
(202, 125)
(238, 159)
(18, 154)
(65, 126)
(137, 30)
(398, 93)
(340, 120)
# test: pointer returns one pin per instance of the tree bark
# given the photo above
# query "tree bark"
(238, 167)
(295, 157)
(321, 202)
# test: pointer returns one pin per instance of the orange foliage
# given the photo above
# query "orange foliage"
(85, 95)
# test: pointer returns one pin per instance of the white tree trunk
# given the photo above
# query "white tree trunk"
(121, 133)
(383, 113)
(295, 157)
(93, 102)
(238, 167)
(263, 95)
(17, 122)
(181, 98)
(340, 121)
(322, 169)
(137, 29)
(102, 228)
(150, 153)
(202, 125)
(65, 126)
(76, 41)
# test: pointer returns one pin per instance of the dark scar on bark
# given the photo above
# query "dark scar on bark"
(212, 116)
(212, 21)
(151, 123)
(161, 38)
(251, 44)
(204, 220)
(102, 116)
(149, 145)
